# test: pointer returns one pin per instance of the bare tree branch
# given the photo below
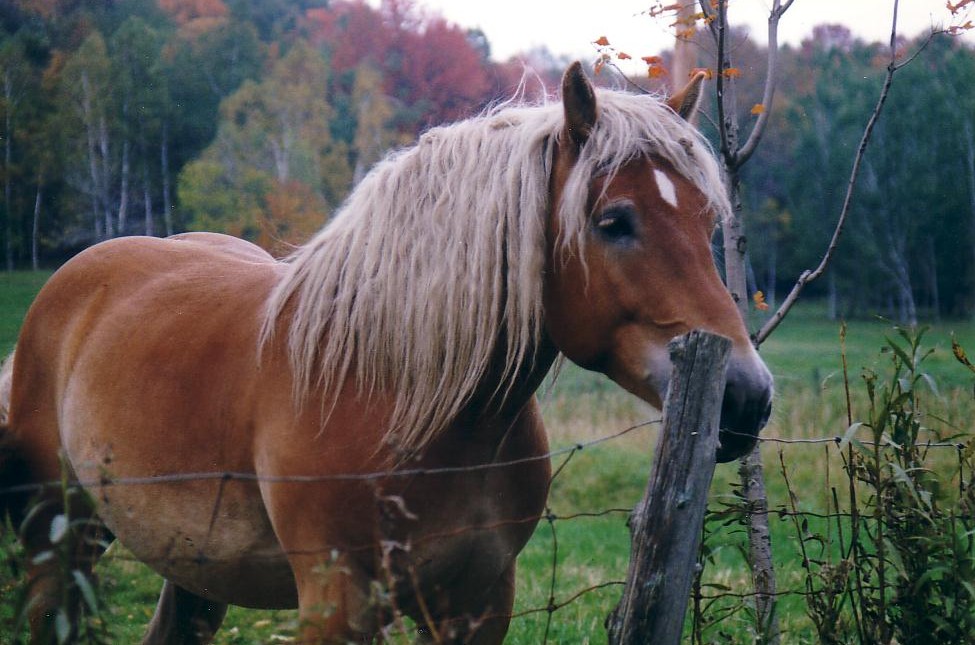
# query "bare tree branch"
(771, 80)
(727, 147)
(809, 275)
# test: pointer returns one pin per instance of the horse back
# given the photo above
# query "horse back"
(135, 329)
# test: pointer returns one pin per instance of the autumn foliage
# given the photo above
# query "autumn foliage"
(250, 118)
(427, 62)
(185, 11)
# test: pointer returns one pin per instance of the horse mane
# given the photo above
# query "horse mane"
(437, 256)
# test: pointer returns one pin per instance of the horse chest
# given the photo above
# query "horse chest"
(469, 526)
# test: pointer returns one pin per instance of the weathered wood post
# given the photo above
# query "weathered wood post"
(665, 527)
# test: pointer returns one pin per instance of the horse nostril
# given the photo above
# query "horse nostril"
(744, 410)
(766, 414)
(730, 409)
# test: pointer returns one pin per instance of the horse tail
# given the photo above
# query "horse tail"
(6, 383)
(13, 470)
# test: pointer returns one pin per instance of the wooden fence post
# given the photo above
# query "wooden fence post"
(665, 527)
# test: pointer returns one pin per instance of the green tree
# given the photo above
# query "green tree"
(139, 99)
(14, 78)
(213, 200)
(374, 114)
(87, 119)
(273, 136)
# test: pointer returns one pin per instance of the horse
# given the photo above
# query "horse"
(353, 430)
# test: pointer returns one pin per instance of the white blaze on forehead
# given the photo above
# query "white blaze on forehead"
(666, 187)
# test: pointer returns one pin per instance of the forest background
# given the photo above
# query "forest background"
(257, 118)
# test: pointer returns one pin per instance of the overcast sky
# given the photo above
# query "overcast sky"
(568, 27)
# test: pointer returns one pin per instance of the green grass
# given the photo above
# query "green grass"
(17, 290)
(607, 478)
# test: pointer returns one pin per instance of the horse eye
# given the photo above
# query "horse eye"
(616, 224)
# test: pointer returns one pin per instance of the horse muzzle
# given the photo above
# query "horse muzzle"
(745, 409)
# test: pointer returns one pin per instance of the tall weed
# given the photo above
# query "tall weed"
(897, 565)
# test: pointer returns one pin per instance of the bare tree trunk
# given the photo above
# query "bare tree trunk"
(832, 310)
(931, 273)
(7, 157)
(147, 201)
(890, 240)
(164, 169)
(93, 168)
(970, 167)
(36, 225)
(733, 157)
(899, 270)
(104, 151)
(359, 171)
(279, 151)
(123, 198)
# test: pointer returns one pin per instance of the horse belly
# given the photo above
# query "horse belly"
(157, 480)
(210, 537)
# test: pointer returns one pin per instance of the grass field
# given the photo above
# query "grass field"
(599, 482)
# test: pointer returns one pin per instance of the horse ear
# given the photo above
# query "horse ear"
(579, 102)
(685, 102)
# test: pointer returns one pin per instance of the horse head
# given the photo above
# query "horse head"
(638, 269)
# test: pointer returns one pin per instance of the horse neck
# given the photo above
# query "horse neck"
(499, 404)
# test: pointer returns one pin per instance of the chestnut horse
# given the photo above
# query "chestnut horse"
(353, 431)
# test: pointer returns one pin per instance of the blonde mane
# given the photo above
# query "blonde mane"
(438, 256)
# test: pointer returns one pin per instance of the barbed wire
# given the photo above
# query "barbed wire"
(838, 440)
(225, 475)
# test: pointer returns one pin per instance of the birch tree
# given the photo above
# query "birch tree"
(14, 76)
(86, 91)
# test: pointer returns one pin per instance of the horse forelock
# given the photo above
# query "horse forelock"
(439, 252)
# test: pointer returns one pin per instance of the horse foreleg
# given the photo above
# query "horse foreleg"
(183, 618)
(498, 605)
(482, 620)
(334, 603)
(62, 549)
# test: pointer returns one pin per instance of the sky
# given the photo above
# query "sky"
(568, 27)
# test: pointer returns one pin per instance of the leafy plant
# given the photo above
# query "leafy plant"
(74, 541)
(899, 566)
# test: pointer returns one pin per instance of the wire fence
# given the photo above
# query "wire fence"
(712, 602)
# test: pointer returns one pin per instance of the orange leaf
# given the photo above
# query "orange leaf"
(652, 60)
(953, 8)
(759, 299)
(656, 71)
(603, 41)
(757, 109)
(732, 72)
(623, 56)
